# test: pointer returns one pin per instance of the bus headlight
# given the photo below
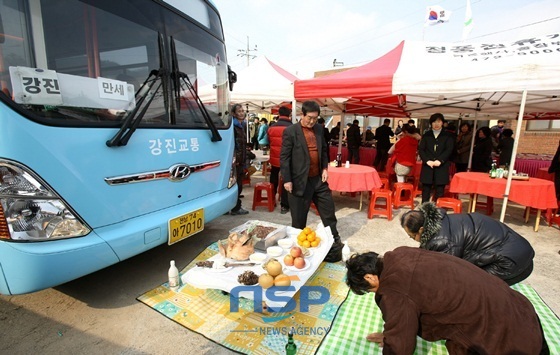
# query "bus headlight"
(32, 211)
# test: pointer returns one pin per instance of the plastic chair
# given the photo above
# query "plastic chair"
(265, 201)
(450, 203)
(246, 178)
(376, 209)
(403, 195)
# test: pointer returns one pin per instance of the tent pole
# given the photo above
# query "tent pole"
(294, 110)
(473, 137)
(513, 154)
(341, 131)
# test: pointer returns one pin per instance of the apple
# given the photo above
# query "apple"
(295, 252)
(289, 260)
(299, 262)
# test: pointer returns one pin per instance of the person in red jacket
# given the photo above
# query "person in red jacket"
(405, 153)
(275, 139)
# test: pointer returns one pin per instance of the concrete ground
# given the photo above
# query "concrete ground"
(99, 313)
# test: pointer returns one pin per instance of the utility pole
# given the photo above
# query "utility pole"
(247, 52)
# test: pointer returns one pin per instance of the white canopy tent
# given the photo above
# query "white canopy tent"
(505, 79)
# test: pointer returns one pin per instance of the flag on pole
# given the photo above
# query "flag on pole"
(468, 21)
(436, 14)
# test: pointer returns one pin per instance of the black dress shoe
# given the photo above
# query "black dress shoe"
(239, 212)
(284, 210)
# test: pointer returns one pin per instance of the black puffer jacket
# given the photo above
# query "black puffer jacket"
(478, 239)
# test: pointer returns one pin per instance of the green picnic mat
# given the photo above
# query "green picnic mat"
(359, 316)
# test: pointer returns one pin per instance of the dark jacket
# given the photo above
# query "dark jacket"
(383, 135)
(478, 239)
(505, 147)
(439, 297)
(294, 156)
(482, 155)
(555, 164)
(275, 137)
(240, 143)
(432, 148)
(353, 137)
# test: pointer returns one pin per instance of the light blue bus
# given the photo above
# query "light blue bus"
(106, 149)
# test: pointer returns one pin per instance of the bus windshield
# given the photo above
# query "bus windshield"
(98, 63)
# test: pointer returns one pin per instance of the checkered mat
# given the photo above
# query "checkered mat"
(359, 316)
(207, 312)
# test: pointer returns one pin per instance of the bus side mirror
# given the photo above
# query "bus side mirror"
(232, 78)
(2, 36)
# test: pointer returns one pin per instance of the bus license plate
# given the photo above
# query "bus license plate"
(185, 226)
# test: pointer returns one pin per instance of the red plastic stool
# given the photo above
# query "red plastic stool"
(385, 182)
(266, 201)
(376, 209)
(246, 178)
(265, 166)
(403, 195)
(450, 203)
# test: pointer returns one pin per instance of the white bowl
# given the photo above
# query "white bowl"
(274, 251)
(257, 257)
(285, 243)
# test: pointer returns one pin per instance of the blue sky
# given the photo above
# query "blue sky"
(304, 36)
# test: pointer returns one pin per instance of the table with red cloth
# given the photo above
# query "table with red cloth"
(542, 173)
(531, 166)
(535, 193)
(356, 178)
(367, 155)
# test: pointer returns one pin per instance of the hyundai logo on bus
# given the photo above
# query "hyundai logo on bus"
(308, 295)
(179, 172)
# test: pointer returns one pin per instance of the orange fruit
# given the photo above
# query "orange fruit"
(301, 237)
(306, 243)
(318, 240)
(306, 230)
(311, 236)
(315, 243)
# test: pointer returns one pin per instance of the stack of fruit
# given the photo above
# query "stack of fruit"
(295, 258)
(273, 275)
(308, 238)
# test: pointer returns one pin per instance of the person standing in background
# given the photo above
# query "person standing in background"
(275, 136)
(555, 168)
(326, 133)
(239, 130)
(435, 149)
(353, 141)
(383, 136)
(304, 161)
(399, 129)
(463, 147)
(335, 132)
(482, 151)
(263, 136)
(254, 133)
(505, 147)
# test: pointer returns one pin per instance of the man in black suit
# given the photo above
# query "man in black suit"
(304, 161)
(383, 135)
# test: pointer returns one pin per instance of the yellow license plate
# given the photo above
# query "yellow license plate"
(185, 226)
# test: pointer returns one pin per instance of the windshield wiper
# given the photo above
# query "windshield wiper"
(178, 79)
(133, 118)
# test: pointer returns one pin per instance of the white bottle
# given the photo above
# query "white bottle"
(173, 273)
(347, 164)
(345, 252)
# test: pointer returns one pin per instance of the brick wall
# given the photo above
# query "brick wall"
(539, 142)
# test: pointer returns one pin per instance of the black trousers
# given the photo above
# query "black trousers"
(381, 159)
(557, 184)
(319, 193)
(275, 180)
(354, 155)
(427, 192)
(240, 174)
